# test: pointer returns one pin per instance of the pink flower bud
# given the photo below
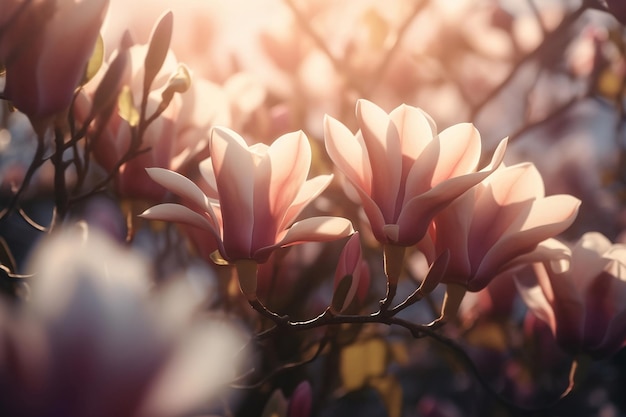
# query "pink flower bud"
(300, 401)
(348, 274)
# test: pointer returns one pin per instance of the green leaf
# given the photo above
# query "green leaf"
(390, 391)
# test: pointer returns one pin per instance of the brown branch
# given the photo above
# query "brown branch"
(282, 323)
(549, 41)
(37, 161)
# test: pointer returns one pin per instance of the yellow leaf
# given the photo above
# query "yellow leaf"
(95, 61)
(488, 335)
(399, 353)
(276, 406)
(610, 84)
(391, 392)
(363, 361)
(126, 107)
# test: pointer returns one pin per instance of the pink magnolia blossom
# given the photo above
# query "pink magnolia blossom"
(256, 193)
(44, 47)
(496, 225)
(403, 171)
(583, 300)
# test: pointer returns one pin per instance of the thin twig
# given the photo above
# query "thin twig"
(550, 38)
(338, 65)
(37, 161)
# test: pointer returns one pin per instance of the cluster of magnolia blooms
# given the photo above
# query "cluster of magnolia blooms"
(418, 187)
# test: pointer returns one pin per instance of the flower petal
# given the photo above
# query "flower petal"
(460, 152)
(348, 153)
(548, 217)
(310, 190)
(170, 212)
(381, 138)
(234, 169)
(179, 185)
(206, 170)
(416, 129)
(529, 289)
(587, 258)
(289, 162)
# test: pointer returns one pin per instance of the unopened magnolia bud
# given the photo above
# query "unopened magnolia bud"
(157, 48)
(300, 401)
(435, 273)
(347, 274)
(341, 298)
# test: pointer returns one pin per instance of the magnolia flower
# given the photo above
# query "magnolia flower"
(256, 194)
(95, 339)
(44, 47)
(489, 228)
(583, 300)
(497, 225)
(403, 171)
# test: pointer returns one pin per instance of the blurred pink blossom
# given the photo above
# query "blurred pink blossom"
(256, 193)
(44, 47)
(95, 340)
(581, 299)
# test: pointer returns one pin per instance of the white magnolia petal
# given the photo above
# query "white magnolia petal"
(382, 140)
(415, 127)
(530, 291)
(170, 212)
(460, 152)
(235, 175)
(348, 153)
(317, 229)
(179, 185)
(310, 190)
(206, 170)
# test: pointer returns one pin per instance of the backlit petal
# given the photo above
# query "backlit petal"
(233, 165)
(460, 152)
(179, 185)
(348, 153)
(385, 155)
(170, 212)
